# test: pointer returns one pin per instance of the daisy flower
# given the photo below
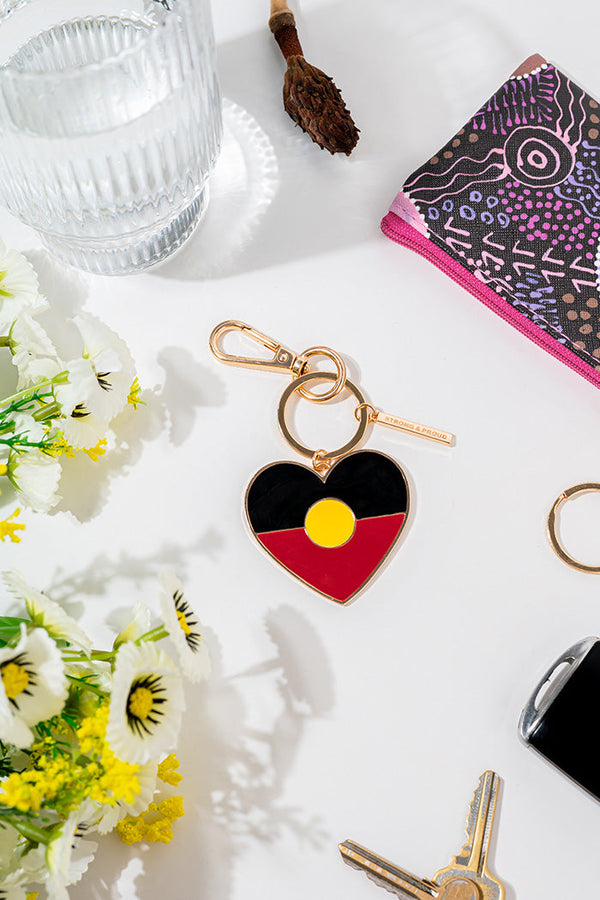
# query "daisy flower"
(184, 628)
(26, 426)
(112, 365)
(80, 426)
(33, 352)
(45, 613)
(35, 475)
(146, 704)
(68, 855)
(19, 287)
(33, 686)
(138, 625)
(19, 866)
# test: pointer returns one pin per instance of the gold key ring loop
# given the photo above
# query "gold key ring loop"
(301, 448)
(340, 378)
(552, 525)
(371, 411)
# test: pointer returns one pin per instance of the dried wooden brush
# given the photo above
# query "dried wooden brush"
(309, 95)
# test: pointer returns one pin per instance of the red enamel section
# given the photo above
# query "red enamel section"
(337, 572)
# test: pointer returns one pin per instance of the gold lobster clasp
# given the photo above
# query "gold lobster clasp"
(282, 359)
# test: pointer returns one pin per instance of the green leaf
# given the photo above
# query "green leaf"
(10, 627)
(10, 621)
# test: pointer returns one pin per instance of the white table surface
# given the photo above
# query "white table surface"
(371, 722)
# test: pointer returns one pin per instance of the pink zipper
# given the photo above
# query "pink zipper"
(405, 234)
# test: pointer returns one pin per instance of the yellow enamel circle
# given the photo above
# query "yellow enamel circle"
(330, 523)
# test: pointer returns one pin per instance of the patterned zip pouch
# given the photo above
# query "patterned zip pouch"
(510, 209)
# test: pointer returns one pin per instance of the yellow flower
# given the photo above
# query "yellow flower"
(23, 793)
(9, 529)
(134, 398)
(58, 445)
(166, 770)
(63, 780)
(32, 895)
(159, 832)
(171, 808)
(131, 830)
(96, 452)
(159, 829)
(118, 780)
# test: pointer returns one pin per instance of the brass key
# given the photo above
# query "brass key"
(468, 871)
(466, 878)
(386, 874)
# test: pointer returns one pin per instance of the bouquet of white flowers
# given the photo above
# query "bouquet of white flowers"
(59, 407)
(84, 735)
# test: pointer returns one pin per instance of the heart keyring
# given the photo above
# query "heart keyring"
(331, 526)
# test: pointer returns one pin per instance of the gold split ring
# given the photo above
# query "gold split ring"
(339, 378)
(297, 385)
(552, 525)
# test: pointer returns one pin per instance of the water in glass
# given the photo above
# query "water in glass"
(110, 123)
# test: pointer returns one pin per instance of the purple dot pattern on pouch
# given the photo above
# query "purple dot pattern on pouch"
(514, 197)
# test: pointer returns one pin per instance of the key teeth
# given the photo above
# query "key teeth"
(462, 857)
(380, 882)
(376, 879)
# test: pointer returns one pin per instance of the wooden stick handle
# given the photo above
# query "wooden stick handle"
(283, 26)
(279, 6)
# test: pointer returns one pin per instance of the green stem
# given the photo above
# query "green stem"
(87, 685)
(105, 655)
(155, 634)
(4, 340)
(31, 832)
(61, 378)
(48, 411)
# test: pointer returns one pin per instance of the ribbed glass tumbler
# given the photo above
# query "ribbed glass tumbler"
(110, 123)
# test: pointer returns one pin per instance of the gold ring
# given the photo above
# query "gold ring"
(306, 451)
(339, 379)
(552, 524)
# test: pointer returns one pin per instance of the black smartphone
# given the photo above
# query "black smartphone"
(562, 717)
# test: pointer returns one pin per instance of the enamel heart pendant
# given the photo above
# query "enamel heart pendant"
(332, 526)
(334, 530)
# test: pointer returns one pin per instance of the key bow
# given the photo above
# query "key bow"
(466, 878)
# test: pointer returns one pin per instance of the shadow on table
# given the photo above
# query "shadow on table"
(188, 386)
(276, 196)
(173, 407)
(96, 580)
(235, 768)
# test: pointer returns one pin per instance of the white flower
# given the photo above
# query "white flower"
(68, 855)
(33, 353)
(112, 364)
(19, 288)
(11, 891)
(184, 628)
(9, 838)
(27, 426)
(146, 704)
(138, 625)
(35, 475)
(45, 613)
(80, 426)
(16, 866)
(33, 686)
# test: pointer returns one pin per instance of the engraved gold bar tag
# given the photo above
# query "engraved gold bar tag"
(425, 431)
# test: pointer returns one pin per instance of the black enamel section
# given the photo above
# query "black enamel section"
(370, 483)
(569, 733)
